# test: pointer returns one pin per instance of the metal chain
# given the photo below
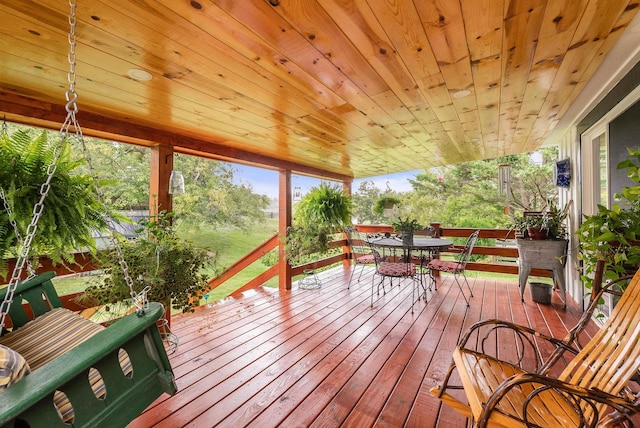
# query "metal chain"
(70, 121)
(139, 299)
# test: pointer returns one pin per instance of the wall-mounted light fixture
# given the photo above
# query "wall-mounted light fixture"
(176, 183)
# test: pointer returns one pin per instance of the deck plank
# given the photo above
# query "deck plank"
(327, 358)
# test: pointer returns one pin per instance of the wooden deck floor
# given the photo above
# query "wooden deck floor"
(325, 358)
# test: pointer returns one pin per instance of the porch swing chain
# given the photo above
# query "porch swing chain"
(139, 299)
(71, 108)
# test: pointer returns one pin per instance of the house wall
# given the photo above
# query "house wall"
(567, 149)
(620, 107)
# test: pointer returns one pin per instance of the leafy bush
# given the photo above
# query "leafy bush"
(158, 259)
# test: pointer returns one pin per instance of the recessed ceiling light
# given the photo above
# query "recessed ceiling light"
(461, 94)
(140, 75)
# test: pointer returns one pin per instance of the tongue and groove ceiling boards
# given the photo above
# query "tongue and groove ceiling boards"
(355, 88)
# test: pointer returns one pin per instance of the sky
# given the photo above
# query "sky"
(265, 182)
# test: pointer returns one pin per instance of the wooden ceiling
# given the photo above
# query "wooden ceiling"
(356, 88)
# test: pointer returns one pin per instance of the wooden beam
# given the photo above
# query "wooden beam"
(284, 221)
(34, 112)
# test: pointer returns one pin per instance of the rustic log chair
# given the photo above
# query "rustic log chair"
(509, 394)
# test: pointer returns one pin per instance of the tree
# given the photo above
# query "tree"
(211, 195)
(466, 195)
(363, 201)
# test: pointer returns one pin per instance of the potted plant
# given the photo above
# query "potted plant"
(612, 235)
(548, 224)
(71, 212)
(406, 226)
(168, 266)
(543, 246)
(324, 210)
(533, 225)
(385, 204)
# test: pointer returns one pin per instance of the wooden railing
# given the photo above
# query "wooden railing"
(444, 232)
(85, 261)
(500, 235)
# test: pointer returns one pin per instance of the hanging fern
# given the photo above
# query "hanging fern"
(327, 206)
(324, 210)
(72, 209)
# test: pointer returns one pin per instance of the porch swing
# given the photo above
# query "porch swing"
(82, 374)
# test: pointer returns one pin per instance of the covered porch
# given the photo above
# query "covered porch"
(324, 357)
(338, 91)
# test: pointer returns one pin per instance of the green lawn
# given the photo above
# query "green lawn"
(229, 245)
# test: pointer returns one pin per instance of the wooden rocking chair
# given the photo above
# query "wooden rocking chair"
(590, 391)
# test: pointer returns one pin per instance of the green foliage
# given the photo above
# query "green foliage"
(385, 201)
(327, 206)
(304, 240)
(613, 234)
(212, 195)
(170, 266)
(326, 209)
(365, 200)
(552, 220)
(72, 209)
(406, 224)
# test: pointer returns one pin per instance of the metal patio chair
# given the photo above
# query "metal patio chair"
(457, 267)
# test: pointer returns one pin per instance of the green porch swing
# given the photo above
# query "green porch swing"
(82, 374)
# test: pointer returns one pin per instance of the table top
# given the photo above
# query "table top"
(419, 243)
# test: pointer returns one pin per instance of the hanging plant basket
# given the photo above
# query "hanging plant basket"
(385, 205)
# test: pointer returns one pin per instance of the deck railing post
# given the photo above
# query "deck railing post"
(284, 221)
(346, 185)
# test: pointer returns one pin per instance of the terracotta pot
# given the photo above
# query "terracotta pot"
(536, 233)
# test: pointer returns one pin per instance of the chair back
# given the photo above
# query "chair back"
(466, 251)
(357, 244)
(609, 360)
(429, 232)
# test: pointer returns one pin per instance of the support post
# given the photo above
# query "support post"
(161, 167)
(284, 221)
(346, 186)
(159, 197)
(436, 228)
